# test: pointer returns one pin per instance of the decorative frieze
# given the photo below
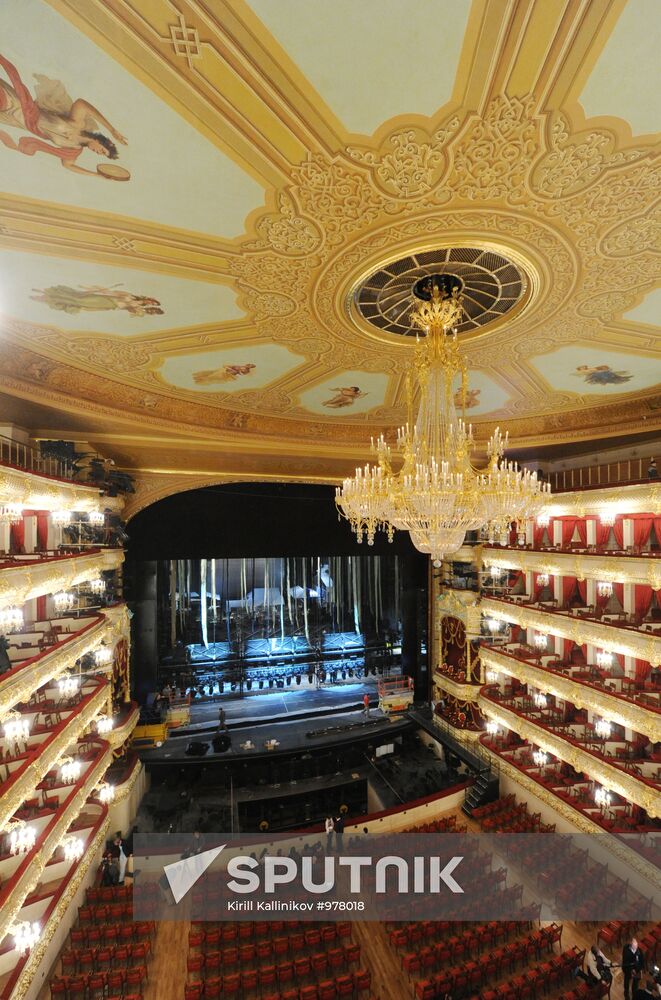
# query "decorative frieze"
(35, 492)
(584, 566)
(25, 580)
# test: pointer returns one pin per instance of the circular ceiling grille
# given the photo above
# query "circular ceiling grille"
(490, 283)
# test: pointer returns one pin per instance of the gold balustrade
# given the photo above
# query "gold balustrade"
(609, 569)
(626, 785)
(36, 492)
(624, 713)
(73, 729)
(627, 641)
(18, 685)
(25, 580)
(29, 880)
(640, 498)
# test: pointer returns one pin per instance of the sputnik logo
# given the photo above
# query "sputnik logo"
(182, 875)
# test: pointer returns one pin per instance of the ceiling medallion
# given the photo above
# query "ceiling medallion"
(436, 494)
(491, 284)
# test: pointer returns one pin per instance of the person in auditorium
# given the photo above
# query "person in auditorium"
(633, 966)
(338, 826)
(599, 967)
(366, 703)
(329, 826)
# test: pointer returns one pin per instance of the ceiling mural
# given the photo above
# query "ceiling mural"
(212, 217)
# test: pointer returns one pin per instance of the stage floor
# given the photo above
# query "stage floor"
(280, 704)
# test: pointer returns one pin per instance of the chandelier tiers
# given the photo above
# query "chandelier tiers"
(436, 494)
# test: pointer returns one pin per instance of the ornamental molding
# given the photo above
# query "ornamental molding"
(123, 790)
(76, 877)
(616, 569)
(463, 692)
(75, 726)
(643, 498)
(21, 582)
(35, 492)
(460, 604)
(636, 717)
(618, 848)
(628, 642)
(117, 736)
(18, 687)
(462, 735)
(626, 785)
(28, 882)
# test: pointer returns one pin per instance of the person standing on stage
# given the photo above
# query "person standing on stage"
(338, 826)
(329, 826)
(633, 965)
(366, 703)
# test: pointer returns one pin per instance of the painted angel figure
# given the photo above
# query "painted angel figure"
(345, 397)
(601, 375)
(227, 373)
(58, 125)
(96, 298)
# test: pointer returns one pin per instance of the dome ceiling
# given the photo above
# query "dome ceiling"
(212, 217)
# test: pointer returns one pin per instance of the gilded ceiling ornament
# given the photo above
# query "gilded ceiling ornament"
(265, 304)
(493, 153)
(410, 163)
(607, 305)
(634, 236)
(575, 160)
(338, 197)
(285, 231)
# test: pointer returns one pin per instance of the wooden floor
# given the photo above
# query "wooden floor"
(167, 969)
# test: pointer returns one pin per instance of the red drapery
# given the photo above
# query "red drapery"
(515, 578)
(582, 590)
(41, 608)
(568, 525)
(601, 534)
(582, 529)
(643, 670)
(602, 599)
(618, 531)
(513, 536)
(568, 588)
(42, 530)
(17, 536)
(618, 590)
(538, 534)
(657, 529)
(642, 526)
(642, 599)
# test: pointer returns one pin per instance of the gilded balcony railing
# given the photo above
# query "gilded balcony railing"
(22, 581)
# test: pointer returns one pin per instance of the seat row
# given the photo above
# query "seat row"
(105, 958)
(128, 984)
(228, 958)
(299, 936)
(521, 949)
(112, 934)
(354, 986)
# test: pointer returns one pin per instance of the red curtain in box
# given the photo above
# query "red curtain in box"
(567, 646)
(42, 530)
(538, 534)
(642, 599)
(582, 529)
(568, 588)
(568, 525)
(41, 608)
(582, 590)
(642, 528)
(618, 531)
(657, 529)
(602, 533)
(618, 590)
(17, 536)
(643, 670)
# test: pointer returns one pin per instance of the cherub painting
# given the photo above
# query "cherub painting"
(346, 396)
(58, 125)
(472, 398)
(96, 298)
(227, 373)
(601, 375)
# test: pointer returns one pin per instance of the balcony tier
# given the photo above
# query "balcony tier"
(18, 684)
(582, 565)
(38, 761)
(627, 641)
(35, 491)
(24, 579)
(641, 498)
(26, 877)
(623, 711)
(629, 786)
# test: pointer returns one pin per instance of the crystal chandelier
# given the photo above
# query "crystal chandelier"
(106, 793)
(16, 727)
(604, 659)
(605, 588)
(540, 700)
(25, 936)
(11, 619)
(103, 724)
(96, 586)
(61, 518)
(540, 759)
(602, 797)
(436, 494)
(602, 727)
(68, 685)
(69, 770)
(11, 513)
(63, 600)
(96, 518)
(543, 579)
(73, 848)
(103, 655)
(540, 640)
(22, 838)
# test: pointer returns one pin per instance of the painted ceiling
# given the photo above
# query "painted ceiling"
(192, 192)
